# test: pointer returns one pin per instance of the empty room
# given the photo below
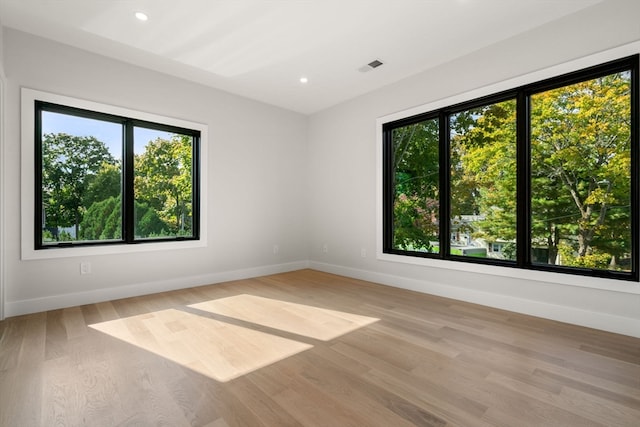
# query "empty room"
(319, 213)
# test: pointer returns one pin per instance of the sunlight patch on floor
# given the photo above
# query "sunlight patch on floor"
(219, 350)
(313, 322)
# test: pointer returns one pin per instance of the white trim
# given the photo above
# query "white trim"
(542, 276)
(572, 315)
(576, 316)
(27, 178)
(37, 305)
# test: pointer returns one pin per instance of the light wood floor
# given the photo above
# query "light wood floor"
(310, 349)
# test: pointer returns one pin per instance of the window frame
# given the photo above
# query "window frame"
(32, 247)
(521, 93)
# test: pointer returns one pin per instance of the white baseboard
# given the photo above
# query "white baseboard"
(36, 305)
(561, 313)
(576, 316)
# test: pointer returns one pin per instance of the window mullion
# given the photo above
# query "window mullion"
(389, 183)
(635, 164)
(445, 185)
(128, 199)
(523, 183)
(38, 220)
(195, 184)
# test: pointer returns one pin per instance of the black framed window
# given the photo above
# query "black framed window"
(542, 177)
(415, 196)
(483, 175)
(106, 179)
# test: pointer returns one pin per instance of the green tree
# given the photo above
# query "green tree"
(416, 180)
(580, 169)
(483, 169)
(581, 148)
(103, 221)
(580, 173)
(552, 213)
(163, 181)
(107, 182)
(69, 163)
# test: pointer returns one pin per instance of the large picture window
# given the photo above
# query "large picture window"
(104, 179)
(542, 177)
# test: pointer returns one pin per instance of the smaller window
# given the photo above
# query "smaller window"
(105, 179)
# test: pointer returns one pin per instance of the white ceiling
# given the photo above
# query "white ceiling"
(261, 48)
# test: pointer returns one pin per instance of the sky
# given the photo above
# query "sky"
(107, 132)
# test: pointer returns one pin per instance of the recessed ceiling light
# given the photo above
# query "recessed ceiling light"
(141, 16)
(304, 80)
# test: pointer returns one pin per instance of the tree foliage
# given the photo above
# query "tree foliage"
(163, 181)
(106, 183)
(483, 175)
(82, 188)
(580, 174)
(581, 152)
(69, 164)
(103, 221)
(416, 165)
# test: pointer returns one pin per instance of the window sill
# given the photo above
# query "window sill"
(609, 285)
(84, 251)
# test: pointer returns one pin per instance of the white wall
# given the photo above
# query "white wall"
(343, 177)
(256, 181)
(276, 177)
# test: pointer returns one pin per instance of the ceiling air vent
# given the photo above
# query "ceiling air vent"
(370, 66)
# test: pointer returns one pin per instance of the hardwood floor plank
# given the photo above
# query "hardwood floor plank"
(107, 312)
(312, 407)
(624, 356)
(10, 342)
(632, 400)
(603, 411)
(74, 322)
(91, 314)
(379, 406)
(363, 355)
(56, 335)
(521, 369)
(263, 406)
(16, 388)
(455, 410)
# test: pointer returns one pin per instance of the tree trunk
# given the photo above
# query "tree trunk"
(552, 244)
(585, 235)
(77, 226)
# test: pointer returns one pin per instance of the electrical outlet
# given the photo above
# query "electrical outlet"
(85, 268)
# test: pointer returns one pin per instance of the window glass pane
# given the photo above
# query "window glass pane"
(581, 174)
(416, 187)
(483, 181)
(163, 184)
(81, 179)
